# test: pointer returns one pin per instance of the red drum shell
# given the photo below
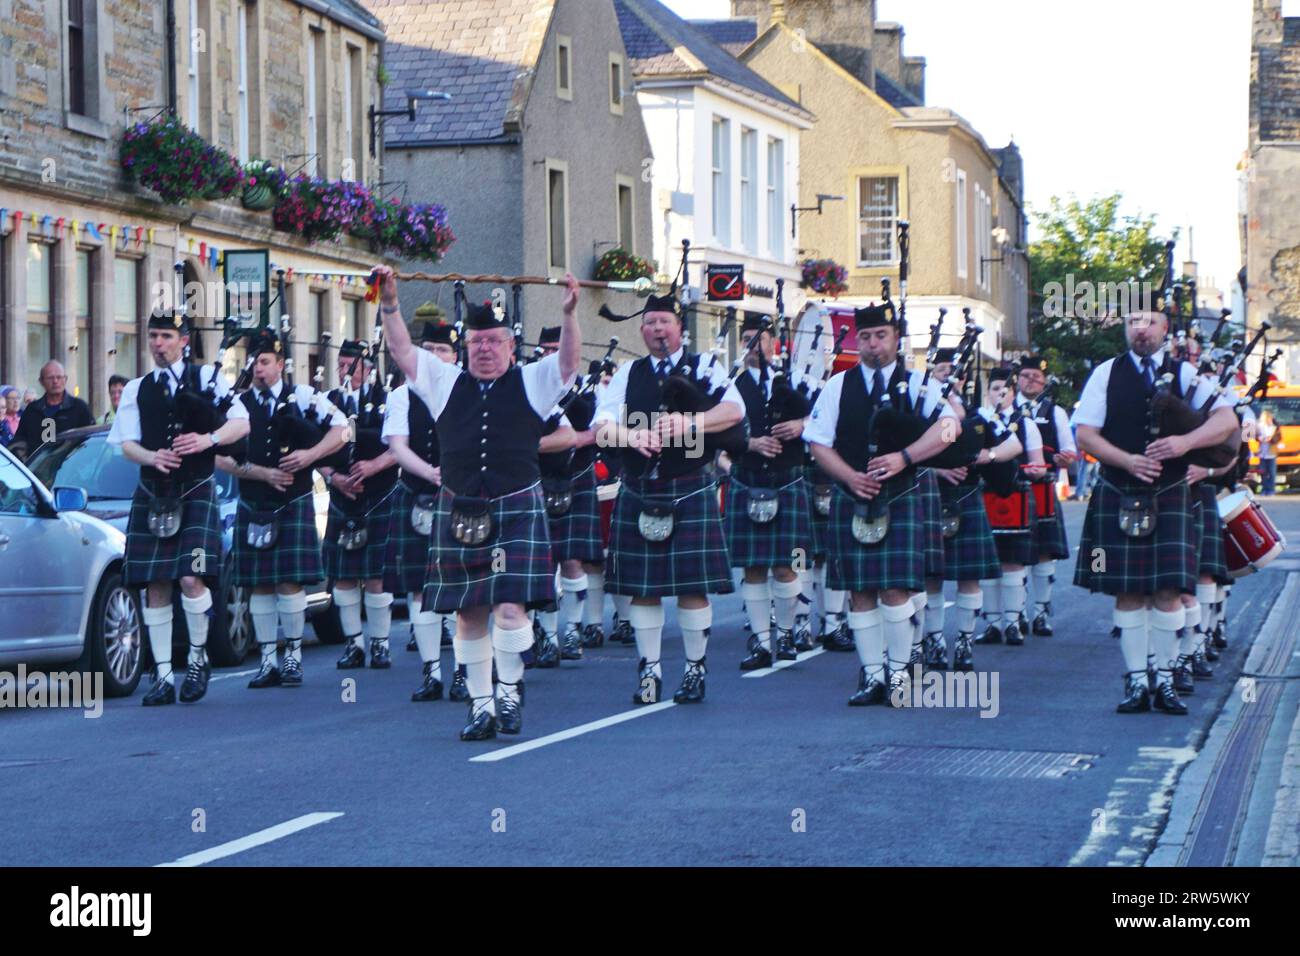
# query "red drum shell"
(1044, 499)
(1250, 539)
(1008, 515)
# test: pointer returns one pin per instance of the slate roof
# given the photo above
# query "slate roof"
(661, 44)
(482, 52)
(893, 94)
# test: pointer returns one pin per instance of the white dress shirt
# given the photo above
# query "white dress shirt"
(434, 380)
(826, 413)
(1092, 403)
(126, 423)
(612, 402)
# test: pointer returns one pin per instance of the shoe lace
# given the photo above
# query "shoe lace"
(694, 674)
(479, 706)
(194, 671)
(508, 700)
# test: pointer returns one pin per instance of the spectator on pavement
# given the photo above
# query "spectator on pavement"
(64, 410)
(115, 385)
(1270, 440)
(10, 398)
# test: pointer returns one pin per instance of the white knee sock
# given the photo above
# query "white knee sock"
(379, 615)
(917, 619)
(785, 602)
(695, 623)
(508, 644)
(834, 601)
(808, 585)
(261, 608)
(1205, 594)
(159, 622)
(647, 622)
(476, 655)
(573, 594)
(1189, 635)
(426, 627)
(593, 609)
(968, 608)
(623, 606)
(898, 634)
(934, 612)
(1044, 575)
(196, 618)
(348, 601)
(758, 608)
(869, 639)
(548, 620)
(292, 609)
(992, 589)
(1164, 640)
(1013, 595)
(1133, 640)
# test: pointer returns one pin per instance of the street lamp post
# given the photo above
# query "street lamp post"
(412, 97)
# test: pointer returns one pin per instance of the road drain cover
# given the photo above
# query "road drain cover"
(969, 762)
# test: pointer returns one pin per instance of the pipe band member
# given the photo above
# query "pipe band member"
(875, 541)
(666, 535)
(489, 547)
(174, 531)
(1139, 534)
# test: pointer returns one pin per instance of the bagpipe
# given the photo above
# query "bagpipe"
(578, 403)
(786, 403)
(293, 429)
(199, 409)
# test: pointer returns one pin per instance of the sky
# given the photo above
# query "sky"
(1083, 88)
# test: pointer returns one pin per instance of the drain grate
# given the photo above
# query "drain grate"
(939, 761)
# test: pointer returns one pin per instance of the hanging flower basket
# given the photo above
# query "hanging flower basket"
(319, 210)
(264, 184)
(168, 157)
(619, 265)
(825, 277)
(225, 174)
(421, 233)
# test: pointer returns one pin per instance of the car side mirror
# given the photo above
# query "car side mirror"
(70, 499)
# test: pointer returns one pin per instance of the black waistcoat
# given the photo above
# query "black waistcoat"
(756, 410)
(489, 445)
(856, 405)
(161, 421)
(554, 464)
(644, 403)
(1127, 422)
(369, 444)
(423, 439)
(265, 448)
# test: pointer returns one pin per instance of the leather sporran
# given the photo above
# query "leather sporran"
(656, 521)
(950, 520)
(1137, 515)
(822, 499)
(763, 505)
(422, 514)
(870, 524)
(557, 493)
(471, 520)
(165, 517)
(353, 536)
(263, 529)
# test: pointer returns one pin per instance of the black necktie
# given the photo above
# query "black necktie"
(877, 385)
(1148, 372)
(266, 397)
(483, 387)
(350, 404)
(661, 370)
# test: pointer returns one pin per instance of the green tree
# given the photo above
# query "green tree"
(1084, 249)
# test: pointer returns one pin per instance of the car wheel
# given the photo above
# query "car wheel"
(231, 635)
(115, 637)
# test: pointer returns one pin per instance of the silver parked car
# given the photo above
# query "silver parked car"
(61, 594)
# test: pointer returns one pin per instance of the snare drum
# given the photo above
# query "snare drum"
(1009, 515)
(606, 494)
(1044, 499)
(1250, 539)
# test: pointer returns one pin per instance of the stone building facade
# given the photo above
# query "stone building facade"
(82, 264)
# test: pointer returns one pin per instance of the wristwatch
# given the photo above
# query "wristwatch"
(213, 436)
(246, 468)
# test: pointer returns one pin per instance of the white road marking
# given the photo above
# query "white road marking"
(268, 835)
(782, 665)
(555, 738)
(216, 677)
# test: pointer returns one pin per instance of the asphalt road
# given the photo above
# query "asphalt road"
(769, 770)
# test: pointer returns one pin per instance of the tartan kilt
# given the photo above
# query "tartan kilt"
(932, 515)
(1213, 558)
(295, 556)
(896, 562)
(149, 558)
(970, 554)
(777, 543)
(575, 536)
(693, 560)
(365, 563)
(819, 524)
(406, 562)
(1052, 540)
(1020, 547)
(1165, 559)
(514, 566)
